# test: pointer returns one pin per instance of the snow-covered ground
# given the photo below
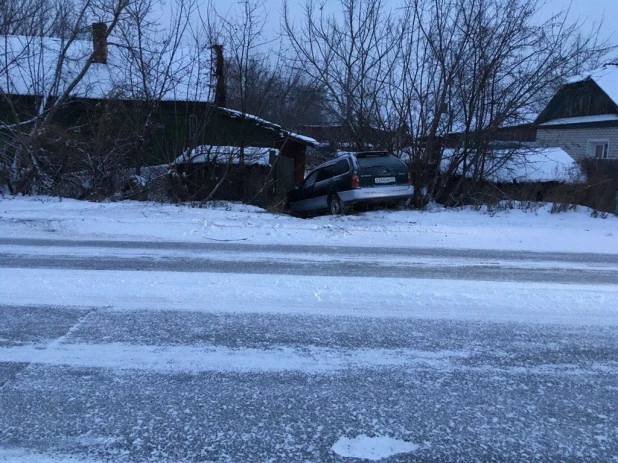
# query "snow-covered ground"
(515, 229)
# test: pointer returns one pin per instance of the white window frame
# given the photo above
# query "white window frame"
(591, 148)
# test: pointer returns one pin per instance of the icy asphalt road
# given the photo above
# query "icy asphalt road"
(310, 260)
(175, 365)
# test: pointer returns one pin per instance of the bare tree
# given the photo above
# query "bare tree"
(151, 63)
(159, 66)
(352, 56)
(411, 77)
(472, 67)
(47, 72)
(46, 18)
(246, 51)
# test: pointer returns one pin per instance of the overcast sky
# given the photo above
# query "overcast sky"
(592, 11)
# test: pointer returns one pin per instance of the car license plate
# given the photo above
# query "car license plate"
(383, 180)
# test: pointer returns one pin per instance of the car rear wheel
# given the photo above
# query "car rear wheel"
(336, 206)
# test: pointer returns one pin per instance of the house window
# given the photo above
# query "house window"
(598, 149)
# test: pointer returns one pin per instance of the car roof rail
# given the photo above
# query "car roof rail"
(371, 153)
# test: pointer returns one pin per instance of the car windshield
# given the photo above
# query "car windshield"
(388, 160)
(310, 180)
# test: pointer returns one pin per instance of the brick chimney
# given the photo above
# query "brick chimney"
(219, 75)
(99, 43)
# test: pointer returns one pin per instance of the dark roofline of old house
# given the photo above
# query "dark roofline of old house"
(603, 105)
(282, 133)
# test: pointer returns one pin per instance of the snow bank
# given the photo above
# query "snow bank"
(465, 228)
(526, 165)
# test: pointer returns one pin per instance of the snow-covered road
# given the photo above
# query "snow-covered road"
(417, 263)
(99, 384)
(142, 351)
(130, 365)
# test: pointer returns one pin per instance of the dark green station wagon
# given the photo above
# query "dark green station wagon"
(365, 177)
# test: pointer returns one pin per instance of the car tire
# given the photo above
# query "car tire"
(336, 206)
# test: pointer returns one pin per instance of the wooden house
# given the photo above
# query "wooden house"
(155, 120)
(582, 117)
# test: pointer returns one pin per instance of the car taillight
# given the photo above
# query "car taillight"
(409, 177)
(355, 181)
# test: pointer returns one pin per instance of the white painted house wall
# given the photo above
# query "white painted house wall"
(575, 140)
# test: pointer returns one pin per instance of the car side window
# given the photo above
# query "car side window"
(310, 180)
(325, 174)
(341, 167)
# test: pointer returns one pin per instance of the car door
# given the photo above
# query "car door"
(341, 179)
(321, 189)
(304, 195)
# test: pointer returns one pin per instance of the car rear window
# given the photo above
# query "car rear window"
(388, 160)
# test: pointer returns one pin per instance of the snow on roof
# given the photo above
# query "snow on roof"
(526, 165)
(271, 126)
(582, 120)
(28, 67)
(253, 155)
(605, 77)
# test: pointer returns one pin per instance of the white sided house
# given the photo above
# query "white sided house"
(582, 117)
